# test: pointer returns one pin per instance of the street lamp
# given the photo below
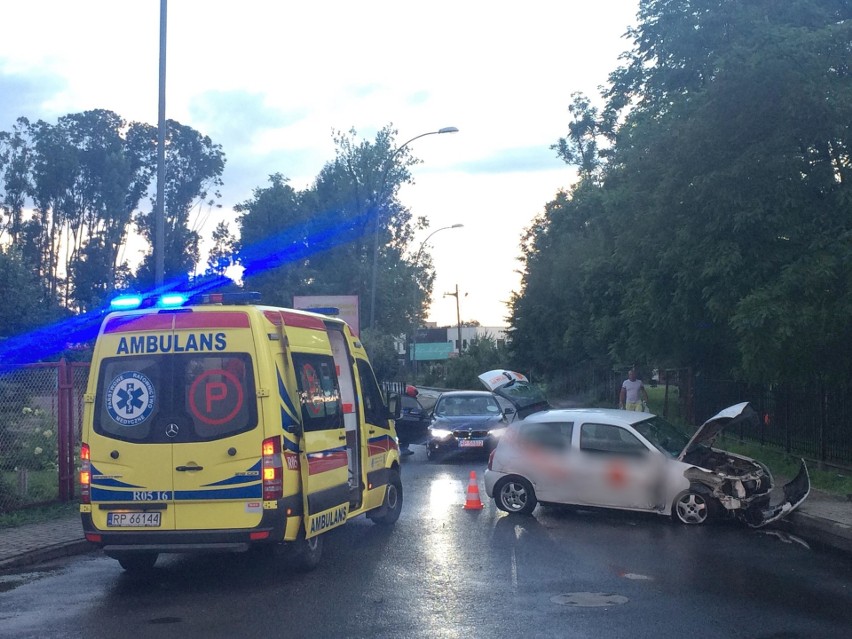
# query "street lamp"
(458, 315)
(381, 192)
(416, 315)
(159, 248)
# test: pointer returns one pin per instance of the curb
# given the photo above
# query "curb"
(55, 551)
(818, 529)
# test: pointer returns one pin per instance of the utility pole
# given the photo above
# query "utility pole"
(458, 316)
(159, 213)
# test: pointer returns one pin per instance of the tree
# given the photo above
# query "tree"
(84, 176)
(16, 164)
(320, 241)
(116, 165)
(715, 232)
(222, 255)
(580, 147)
(194, 166)
(21, 309)
(483, 354)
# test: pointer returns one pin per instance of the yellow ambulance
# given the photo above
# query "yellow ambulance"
(212, 423)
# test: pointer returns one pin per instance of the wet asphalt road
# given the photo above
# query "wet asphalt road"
(447, 572)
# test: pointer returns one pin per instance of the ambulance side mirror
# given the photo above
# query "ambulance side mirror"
(394, 406)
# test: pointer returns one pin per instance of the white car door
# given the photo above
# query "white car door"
(544, 458)
(615, 468)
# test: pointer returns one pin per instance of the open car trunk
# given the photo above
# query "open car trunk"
(517, 390)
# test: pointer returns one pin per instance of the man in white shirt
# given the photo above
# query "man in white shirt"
(632, 393)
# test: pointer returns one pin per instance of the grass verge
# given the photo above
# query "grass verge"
(37, 514)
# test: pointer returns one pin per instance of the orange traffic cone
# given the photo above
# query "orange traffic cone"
(473, 501)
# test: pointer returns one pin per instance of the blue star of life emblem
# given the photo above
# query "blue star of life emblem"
(130, 398)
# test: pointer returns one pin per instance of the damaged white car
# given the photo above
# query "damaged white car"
(634, 461)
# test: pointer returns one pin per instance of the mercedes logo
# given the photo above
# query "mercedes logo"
(172, 430)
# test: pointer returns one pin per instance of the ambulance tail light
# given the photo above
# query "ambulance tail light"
(272, 469)
(85, 475)
(491, 460)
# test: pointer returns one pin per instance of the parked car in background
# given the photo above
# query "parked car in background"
(465, 421)
(634, 461)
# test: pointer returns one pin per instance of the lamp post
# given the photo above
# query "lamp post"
(458, 315)
(159, 248)
(381, 192)
(416, 315)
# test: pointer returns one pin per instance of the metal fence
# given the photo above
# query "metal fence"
(813, 420)
(40, 427)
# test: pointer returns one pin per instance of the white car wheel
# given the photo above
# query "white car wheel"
(692, 508)
(515, 495)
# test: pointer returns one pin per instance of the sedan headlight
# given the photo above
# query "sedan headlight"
(497, 432)
(440, 433)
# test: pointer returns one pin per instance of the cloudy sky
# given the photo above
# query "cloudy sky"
(270, 81)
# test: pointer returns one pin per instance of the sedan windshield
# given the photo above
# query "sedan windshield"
(665, 437)
(467, 405)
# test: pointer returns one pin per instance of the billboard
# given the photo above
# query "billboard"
(346, 305)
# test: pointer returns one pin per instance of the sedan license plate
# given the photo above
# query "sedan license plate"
(471, 443)
(133, 520)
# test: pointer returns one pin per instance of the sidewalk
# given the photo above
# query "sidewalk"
(823, 518)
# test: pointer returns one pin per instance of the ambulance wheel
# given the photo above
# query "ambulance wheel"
(307, 553)
(388, 512)
(137, 562)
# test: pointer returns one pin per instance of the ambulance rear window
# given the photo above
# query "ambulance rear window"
(175, 398)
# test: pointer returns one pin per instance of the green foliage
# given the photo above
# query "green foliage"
(194, 166)
(30, 441)
(322, 240)
(381, 348)
(716, 232)
(84, 178)
(483, 354)
(35, 514)
(20, 309)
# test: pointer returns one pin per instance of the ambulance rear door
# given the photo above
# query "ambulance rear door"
(131, 463)
(214, 407)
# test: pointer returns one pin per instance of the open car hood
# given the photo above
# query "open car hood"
(709, 430)
(517, 390)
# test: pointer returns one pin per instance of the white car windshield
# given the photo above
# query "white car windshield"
(665, 437)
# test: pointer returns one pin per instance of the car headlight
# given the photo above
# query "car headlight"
(440, 433)
(497, 432)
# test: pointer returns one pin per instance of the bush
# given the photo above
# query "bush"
(30, 442)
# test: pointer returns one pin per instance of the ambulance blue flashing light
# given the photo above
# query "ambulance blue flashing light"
(178, 300)
(172, 300)
(126, 302)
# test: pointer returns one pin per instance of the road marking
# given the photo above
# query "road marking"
(589, 599)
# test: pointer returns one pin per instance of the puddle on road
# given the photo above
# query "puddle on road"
(786, 537)
(11, 581)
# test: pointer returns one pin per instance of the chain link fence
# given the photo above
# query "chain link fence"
(40, 426)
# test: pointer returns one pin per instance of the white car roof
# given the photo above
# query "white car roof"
(605, 415)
